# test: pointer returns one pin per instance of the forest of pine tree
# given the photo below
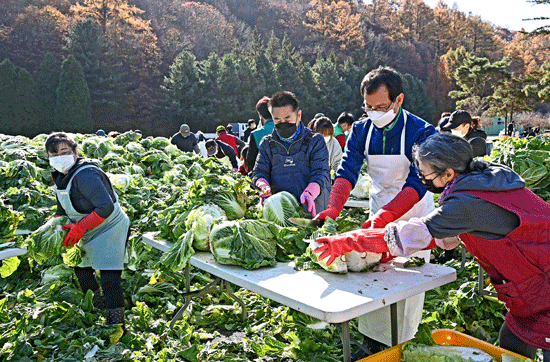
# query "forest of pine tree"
(153, 64)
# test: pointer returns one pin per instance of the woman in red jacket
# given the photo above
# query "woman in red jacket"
(487, 207)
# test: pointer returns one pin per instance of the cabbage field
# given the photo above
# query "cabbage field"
(198, 204)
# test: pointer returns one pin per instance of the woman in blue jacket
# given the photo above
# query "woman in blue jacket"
(292, 158)
(98, 223)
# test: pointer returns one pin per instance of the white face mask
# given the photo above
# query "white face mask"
(62, 163)
(327, 138)
(381, 119)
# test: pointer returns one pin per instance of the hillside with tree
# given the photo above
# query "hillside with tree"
(153, 64)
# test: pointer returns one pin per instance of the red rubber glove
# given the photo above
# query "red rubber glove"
(371, 240)
(393, 210)
(77, 230)
(338, 197)
(308, 197)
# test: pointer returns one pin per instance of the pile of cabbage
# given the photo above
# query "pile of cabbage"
(198, 204)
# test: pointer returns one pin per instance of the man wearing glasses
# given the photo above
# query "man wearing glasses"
(384, 138)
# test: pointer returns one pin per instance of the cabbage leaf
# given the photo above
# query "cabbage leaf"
(280, 207)
(200, 220)
(248, 243)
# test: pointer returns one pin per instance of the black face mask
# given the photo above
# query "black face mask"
(429, 185)
(285, 129)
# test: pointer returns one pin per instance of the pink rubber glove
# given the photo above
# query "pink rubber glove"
(77, 230)
(266, 189)
(308, 197)
(393, 210)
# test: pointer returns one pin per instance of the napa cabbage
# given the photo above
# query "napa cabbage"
(180, 252)
(228, 202)
(357, 262)
(437, 353)
(279, 207)
(248, 243)
(200, 220)
(352, 261)
(338, 266)
(47, 242)
(362, 187)
(120, 182)
(127, 137)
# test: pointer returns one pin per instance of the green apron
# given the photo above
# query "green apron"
(105, 244)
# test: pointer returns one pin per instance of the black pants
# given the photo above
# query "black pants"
(110, 283)
(509, 341)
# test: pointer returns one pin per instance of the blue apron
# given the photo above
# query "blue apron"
(105, 244)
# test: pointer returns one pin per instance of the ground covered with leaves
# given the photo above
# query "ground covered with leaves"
(45, 316)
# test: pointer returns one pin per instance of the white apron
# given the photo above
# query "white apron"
(389, 174)
(105, 244)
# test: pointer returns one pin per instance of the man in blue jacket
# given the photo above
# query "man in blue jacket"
(384, 139)
(292, 158)
(265, 128)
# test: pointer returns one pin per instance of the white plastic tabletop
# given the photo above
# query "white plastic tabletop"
(333, 298)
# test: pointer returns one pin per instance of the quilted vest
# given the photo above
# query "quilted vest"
(519, 264)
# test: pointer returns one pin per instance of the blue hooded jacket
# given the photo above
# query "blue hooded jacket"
(292, 169)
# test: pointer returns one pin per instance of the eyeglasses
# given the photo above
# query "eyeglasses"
(422, 176)
(61, 153)
(366, 108)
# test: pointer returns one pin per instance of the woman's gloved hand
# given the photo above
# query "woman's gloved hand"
(363, 240)
(265, 189)
(308, 197)
(78, 229)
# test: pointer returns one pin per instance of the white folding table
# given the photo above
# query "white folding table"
(11, 252)
(357, 203)
(333, 298)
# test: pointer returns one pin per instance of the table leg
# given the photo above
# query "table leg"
(187, 298)
(393, 317)
(210, 287)
(344, 333)
(237, 299)
(187, 278)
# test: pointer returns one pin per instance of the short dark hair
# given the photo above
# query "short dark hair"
(210, 143)
(251, 120)
(55, 139)
(262, 107)
(311, 124)
(323, 125)
(283, 99)
(346, 117)
(476, 122)
(382, 76)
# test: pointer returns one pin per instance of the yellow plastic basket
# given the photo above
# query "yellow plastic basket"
(443, 337)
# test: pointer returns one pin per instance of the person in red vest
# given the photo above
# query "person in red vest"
(231, 140)
(504, 225)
